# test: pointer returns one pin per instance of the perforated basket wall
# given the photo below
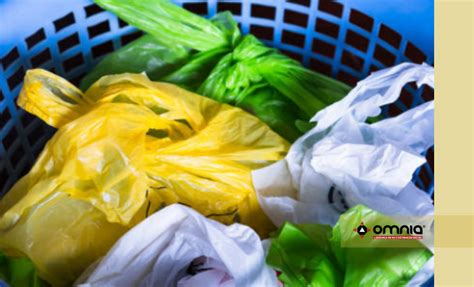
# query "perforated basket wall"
(324, 35)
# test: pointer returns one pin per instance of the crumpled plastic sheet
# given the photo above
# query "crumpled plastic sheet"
(179, 247)
(320, 256)
(124, 149)
(344, 161)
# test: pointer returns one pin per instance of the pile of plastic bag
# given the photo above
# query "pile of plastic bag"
(191, 181)
(180, 247)
(344, 161)
(316, 255)
(124, 149)
(92, 209)
(213, 58)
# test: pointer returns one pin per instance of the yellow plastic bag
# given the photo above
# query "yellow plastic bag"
(124, 149)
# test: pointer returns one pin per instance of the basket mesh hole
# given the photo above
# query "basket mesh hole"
(406, 97)
(98, 29)
(296, 18)
(16, 156)
(384, 56)
(35, 135)
(17, 107)
(353, 61)
(10, 138)
(331, 7)
(198, 8)
(261, 11)
(34, 39)
(130, 37)
(347, 78)
(15, 79)
(394, 110)
(306, 3)
(430, 158)
(1, 96)
(24, 171)
(424, 178)
(357, 41)
(292, 38)
(26, 119)
(91, 10)
(235, 8)
(73, 62)
(77, 80)
(68, 42)
(64, 22)
(319, 66)
(428, 93)
(262, 32)
(360, 19)
(373, 68)
(122, 23)
(102, 49)
(39, 148)
(41, 58)
(390, 36)
(323, 48)
(406, 100)
(327, 28)
(414, 54)
(413, 86)
(11, 57)
(3, 177)
(293, 55)
(5, 116)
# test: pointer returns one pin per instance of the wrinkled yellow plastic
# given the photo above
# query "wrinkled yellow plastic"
(124, 149)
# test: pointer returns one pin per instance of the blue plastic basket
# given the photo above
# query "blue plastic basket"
(324, 35)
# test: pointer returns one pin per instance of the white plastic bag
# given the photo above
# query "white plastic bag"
(423, 275)
(343, 161)
(179, 247)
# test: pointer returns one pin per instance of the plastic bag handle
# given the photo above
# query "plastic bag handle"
(51, 98)
(380, 88)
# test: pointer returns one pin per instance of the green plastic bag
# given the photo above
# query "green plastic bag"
(314, 255)
(146, 54)
(220, 63)
(170, 62)
(275, 88)
(19, 272)
(170, 23)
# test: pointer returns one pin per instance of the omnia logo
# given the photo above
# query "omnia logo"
(394, 231)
